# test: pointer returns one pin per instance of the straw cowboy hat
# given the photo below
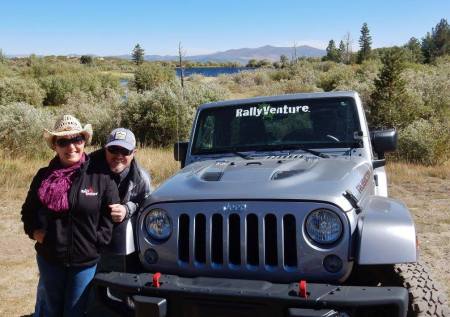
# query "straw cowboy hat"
(67, 125)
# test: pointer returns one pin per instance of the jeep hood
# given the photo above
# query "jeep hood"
(303, 178)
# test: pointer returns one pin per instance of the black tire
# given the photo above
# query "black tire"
(426, 299)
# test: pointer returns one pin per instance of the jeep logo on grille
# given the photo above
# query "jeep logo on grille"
(237, 207)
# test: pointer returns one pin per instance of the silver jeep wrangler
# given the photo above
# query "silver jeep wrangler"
(280, 209)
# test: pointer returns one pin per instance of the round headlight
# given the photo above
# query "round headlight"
(323, 226)
(158, 224)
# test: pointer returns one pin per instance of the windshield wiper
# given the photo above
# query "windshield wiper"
(316, 153)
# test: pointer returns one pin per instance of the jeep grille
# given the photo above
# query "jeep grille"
(262, 240)
(238, 239)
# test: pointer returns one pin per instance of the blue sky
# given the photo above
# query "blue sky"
(114, 27)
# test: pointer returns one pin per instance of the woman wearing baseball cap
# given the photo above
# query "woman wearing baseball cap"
(66, 212)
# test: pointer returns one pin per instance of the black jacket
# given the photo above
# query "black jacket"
(74, 238)
(133, 191)
(138, 184)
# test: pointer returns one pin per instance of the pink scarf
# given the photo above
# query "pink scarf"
(54, 189)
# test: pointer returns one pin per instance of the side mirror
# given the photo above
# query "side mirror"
(180, 151)
(383, 141)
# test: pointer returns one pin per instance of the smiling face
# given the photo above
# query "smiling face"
(118, 160)
(70, 151)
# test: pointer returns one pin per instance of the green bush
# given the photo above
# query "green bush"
(14, 89)
(430, 84)
(392, 103)
(150, 75)
(160, 116)
(42, 67)
(104, 114)
(425, 141)
(281, 74)
(21, 128)
(86, 60)
(5, 70)
(59, 87)
(289, 87)
(336, 76)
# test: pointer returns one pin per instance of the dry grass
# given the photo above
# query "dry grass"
(424, 189)
(159, 162)
(426, 192)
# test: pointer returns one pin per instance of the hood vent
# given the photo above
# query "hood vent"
(285, 174)
(212, 176)
(215, 172)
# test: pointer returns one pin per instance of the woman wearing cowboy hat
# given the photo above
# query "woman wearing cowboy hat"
(66, 212)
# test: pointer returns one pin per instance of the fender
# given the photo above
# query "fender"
(386, 233)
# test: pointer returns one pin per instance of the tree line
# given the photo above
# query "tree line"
(433, 45)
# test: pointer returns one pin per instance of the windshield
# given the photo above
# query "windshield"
(314, 123)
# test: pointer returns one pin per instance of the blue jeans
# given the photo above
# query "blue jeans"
(40, 299)
(65, 289)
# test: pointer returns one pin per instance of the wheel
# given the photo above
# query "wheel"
(426, 298)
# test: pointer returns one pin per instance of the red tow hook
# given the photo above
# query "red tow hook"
(302, 292)
(155, 281)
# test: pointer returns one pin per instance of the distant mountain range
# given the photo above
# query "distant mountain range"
(243, 55)
(240, 55)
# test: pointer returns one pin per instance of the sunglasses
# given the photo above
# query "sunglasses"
(78, 140)
(119, 150)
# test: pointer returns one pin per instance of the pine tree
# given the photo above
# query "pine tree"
(365, 42)
(332, 52)
(428, 48)
(415, 49)
(436, 43)
(390, 103)
(441, 38)
(138, 54)
(284, 61)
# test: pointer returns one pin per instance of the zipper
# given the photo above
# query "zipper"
(73, 194)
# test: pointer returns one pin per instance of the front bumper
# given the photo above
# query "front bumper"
(180, 296)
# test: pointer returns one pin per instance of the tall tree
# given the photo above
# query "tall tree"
(332, 52)
(181, 54)
(390, 104)
(137, 54)
(348, 48)
(86, 59)
(441, 38)
(294, 53)
(2, 57)
(436, 43)
(415, 50)
(365, 43)
(428, 48)
(284, 61)
(341, 51)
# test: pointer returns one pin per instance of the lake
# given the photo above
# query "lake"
(211, 71)
(204, 71)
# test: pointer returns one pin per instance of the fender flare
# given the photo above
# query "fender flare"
(387, 234)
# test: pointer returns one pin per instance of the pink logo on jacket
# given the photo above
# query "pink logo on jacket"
(89, 192)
